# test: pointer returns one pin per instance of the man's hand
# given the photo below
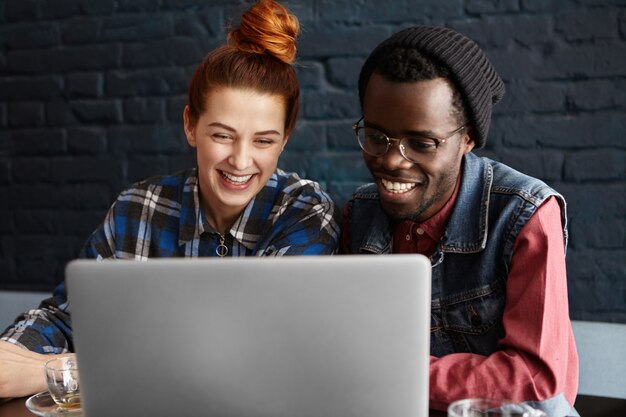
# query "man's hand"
(21, 371)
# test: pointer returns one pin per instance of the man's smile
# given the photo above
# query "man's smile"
(397, 187)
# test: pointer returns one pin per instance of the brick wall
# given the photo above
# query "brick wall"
(92, 92)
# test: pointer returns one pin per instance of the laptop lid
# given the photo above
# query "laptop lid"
(332, 336)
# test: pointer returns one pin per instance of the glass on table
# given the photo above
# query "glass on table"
(63, 381)
(486, 407)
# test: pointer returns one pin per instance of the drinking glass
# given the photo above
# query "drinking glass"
(487, 407)
(63, 382)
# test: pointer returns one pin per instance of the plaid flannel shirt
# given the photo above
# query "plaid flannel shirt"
(161, 217)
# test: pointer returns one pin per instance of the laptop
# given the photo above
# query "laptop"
(331, 336)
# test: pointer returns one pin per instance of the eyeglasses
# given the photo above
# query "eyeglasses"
(414, 149)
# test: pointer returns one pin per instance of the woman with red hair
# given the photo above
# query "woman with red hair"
(242, 106)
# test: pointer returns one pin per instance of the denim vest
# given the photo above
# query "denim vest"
(472, 261)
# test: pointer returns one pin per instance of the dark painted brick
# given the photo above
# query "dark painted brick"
(30, 36)
(592, 199)
(584, 61)
(514, 63)
(146, 139)
(341, 136)
(341, 191)
(544, 5)
(61, 60)
(39, 142)
(5, 171)
(141, 110)
(201, 23)
(146, 82)
(601, 299)
(26, 114)
(432, 8)
(357, 12)
(298, 162)
(308, 136)
(39, 274)
(134, 28)
(25, 62)
(533, 97)
(97, 7)
(567, 132)
(491, 6)
(40, 195)
(182, 162)
(163, 52)
(55, 9)
(7, 225)
(587, 24)
(91, 196)
(83, 169)
(86, 140)
(400, 10)
(330, 105)
(63, 222)
(137, 5)
(547, 165)
(85, 84)
(3, 115)
(60, 114)
(6, 143)
(596, 94)
(21, 10)
(499, 31)
(174, 107)
(82, 30)
(38, 87)
(31, 170)
(188, 4)
(344, 72)
(338, 166)
(310, 75)
(599, 233)
(96, 57)
(7, 271)
(146, 167)
(603, 3)
(5, 202)
(324, 42)
(42, 246)
(562, 118)
(601, 164)
(97, 111)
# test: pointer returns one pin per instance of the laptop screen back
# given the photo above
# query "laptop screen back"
(333, 336)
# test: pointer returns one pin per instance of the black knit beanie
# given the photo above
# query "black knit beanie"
(470, 70)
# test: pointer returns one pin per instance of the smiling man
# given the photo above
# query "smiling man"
(496, 238)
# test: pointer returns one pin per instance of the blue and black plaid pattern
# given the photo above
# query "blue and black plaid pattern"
(161, 217)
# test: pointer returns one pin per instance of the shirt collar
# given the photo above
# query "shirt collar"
(193, 221)
(435, 226)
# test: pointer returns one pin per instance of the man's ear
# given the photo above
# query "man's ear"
(284, 143)
(468, 139)
(190, 128)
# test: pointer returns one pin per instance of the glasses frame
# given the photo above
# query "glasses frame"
(438, 141)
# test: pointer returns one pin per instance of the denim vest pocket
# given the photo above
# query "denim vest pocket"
(472, 320)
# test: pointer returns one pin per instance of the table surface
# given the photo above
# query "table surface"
(17, 408)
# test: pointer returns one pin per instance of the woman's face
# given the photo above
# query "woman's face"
(238, 138)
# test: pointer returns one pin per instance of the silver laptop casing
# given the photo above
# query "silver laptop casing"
(323, 336)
